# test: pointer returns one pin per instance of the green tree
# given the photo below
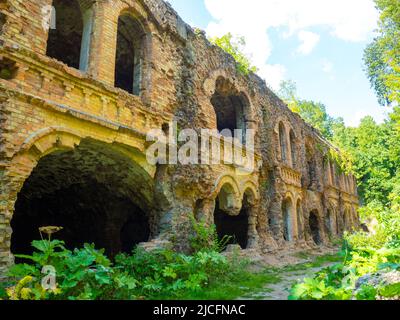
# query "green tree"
(235, 47)
(374, 150)
(382, 56)
(314, 113)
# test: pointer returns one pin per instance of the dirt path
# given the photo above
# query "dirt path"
(280, 290)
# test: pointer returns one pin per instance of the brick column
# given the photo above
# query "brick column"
(103, 42)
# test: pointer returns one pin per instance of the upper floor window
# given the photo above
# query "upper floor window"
(230, 108)
(283, 141)
(69, 37)
(311, 168)
(293, 147)
(129, 54)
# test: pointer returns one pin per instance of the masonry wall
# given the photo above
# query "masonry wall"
(48, 107)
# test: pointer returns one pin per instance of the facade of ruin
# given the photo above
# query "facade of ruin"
(81, 84)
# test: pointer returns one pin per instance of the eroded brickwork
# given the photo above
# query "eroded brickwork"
(69, 134)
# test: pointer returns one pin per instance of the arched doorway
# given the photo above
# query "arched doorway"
(315, 227)
(228, 224)
(129, 54)
(95, 193)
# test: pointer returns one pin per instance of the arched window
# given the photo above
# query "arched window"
(230, 107)
(129, 55)
(311, 169)
(69, 41)
(283, 142)
(293, 147)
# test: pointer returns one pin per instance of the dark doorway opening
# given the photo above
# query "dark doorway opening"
(82, 192)
(315, 227)
(235, 227)
(230, 108)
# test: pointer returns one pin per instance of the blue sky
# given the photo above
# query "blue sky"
(318, 44)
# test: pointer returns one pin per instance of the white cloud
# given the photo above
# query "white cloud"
(327, 66)
(352, 20)
(275, 73)
(308, 42)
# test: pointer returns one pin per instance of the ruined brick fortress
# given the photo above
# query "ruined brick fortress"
(76, 103)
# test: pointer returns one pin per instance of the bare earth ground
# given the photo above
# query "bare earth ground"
(291, 268)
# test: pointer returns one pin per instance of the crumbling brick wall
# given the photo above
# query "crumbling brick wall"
(48, 108)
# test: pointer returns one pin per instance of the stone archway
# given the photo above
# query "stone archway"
(231, 222)
(97, 194)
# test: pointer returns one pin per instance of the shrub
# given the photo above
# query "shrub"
(87, 274)
(205, 237)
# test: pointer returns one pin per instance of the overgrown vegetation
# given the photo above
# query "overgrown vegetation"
(235, 47)
(87, 274)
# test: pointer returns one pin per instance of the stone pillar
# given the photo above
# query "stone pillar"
(205, 211)
(275, 215)
(253, 237)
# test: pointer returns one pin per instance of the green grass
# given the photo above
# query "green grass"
(252, 285)
(234, 286)
(317, 262)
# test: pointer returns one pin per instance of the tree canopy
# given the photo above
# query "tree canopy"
(382, 56)
(235, 47)
(314, 113)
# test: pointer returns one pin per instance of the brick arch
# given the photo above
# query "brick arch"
(38, 168)
(104, 48)
(35, 147)
(250, 191)
(228, 192)
(290, 140)
(210, 87)
(133, 22)
(51, 139)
